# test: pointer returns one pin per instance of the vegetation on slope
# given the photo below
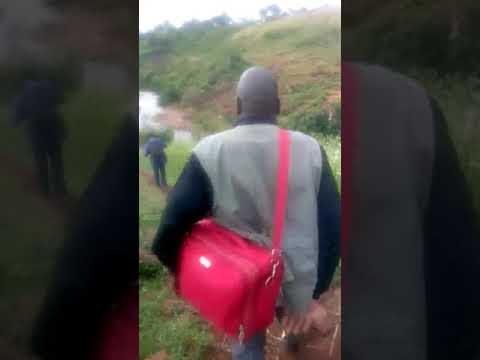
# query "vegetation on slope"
(196, 67)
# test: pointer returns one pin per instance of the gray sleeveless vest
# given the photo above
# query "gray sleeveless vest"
(241, 164)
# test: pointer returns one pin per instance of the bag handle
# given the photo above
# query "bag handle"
(282, 188)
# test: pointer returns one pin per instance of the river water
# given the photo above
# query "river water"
(149, 108)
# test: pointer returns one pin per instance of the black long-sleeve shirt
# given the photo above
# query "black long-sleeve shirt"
(99, 260)
(452, 250)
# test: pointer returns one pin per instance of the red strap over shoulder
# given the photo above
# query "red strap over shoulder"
(282, 188)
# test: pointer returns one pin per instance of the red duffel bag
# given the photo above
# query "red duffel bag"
(231, 281)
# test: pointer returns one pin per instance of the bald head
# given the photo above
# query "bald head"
(257, 93)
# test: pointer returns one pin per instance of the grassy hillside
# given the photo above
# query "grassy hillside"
(197, 68)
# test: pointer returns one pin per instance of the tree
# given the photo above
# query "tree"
(271, 12)
(221, 20)
(164, 28)
(193, 24)
(161, 44)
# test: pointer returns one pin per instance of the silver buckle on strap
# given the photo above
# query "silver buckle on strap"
(272, 275)
(277, 252)
(241, 334)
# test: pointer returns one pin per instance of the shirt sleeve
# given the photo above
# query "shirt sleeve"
(98, 260)
(146, 148)
(452, 251)
(190, 200)
(328, 212)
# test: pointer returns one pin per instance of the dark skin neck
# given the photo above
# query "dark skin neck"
(267, 116)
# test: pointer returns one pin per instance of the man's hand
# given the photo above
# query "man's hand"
(316, 316)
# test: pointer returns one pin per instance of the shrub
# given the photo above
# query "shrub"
(208, 122)
(170, 95)
(312, 122)
(151, 270)
(191, 94)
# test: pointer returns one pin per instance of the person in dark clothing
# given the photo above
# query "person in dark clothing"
(38, 107)
(95, 281)
(155, 149)
(451, 216)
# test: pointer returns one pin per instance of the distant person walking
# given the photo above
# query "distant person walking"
(155, 149)
(37, 106)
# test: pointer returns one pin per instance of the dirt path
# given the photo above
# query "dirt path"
(151, 181)
(314, 346)
(26, 177)
(147, 176)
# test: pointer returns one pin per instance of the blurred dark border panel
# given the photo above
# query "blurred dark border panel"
(411, 179)
(69, 179)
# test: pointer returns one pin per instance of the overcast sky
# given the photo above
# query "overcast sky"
(177, 12)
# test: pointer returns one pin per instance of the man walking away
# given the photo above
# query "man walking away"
(231, 175)
(38, 107)
(155, 148)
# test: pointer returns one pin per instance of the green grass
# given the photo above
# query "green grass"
(459, 102)
(152, 200)
(166, 324)
(307, 36)
(333, 149)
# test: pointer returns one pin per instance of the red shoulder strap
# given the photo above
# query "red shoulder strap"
(349, 136)
(282, 188)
